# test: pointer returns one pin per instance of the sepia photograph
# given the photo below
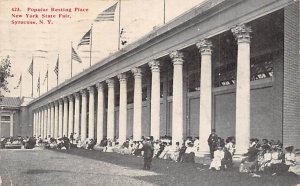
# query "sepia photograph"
(149, 92)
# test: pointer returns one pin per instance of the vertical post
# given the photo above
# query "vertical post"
(177, 109)
(119, 34)
(164, 11)
(83, 114)
(205, 117)
(100, 112)
(137, 104)
(91, 112)
(71, 115)
(242, 34)
(71, 60)
(111, 109)
(155, 99)
(123, 108)
(91, 44)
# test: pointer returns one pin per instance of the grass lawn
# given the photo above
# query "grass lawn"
(173, 173)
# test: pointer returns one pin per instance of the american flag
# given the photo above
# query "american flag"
(75, 56)
(30, 69)
(19, 83)
(108, 14)
(56, 68)
(86, 39)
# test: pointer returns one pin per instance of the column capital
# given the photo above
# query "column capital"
(242, 33)
(204, 47)
(110, 82)
(154, 65)
(137, 72)
(99, 86)
(60, 101)
(65, 99)
(122, 77)
(52, 104)
(91, 89)
(177, 57)
(77, 95)
(70, 97)
(56, 103)
(83, 92)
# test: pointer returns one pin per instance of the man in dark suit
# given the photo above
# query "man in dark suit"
(212, 142)
(148, 153)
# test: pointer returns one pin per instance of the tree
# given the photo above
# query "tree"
(5, 73)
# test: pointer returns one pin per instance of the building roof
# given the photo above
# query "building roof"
(10, 102)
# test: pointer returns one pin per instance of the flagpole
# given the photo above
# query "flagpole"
(164, 11)
(71, 59)
(39, 84)
(57, 70)
(91, 45)
(119, 34)
(47, 76)
(21, 85)
(32, 77)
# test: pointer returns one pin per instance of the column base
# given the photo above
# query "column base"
(202, 157)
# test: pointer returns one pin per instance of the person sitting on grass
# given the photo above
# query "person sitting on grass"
(217, 160)
(227, 160)
(189, 155)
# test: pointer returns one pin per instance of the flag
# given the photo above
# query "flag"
(19, 83)
(56, 68)
(46, 77)
(30, 69)
(75, 56)
(38, 84)
(107, 15)
(86, 39)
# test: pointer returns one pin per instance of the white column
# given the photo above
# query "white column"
(60, 118)
(38, 123)
(155, 99)
(11, 130)
(111, 109)
(83, 115)
(77, 115)
(137, 104)
(48, 121)
(65, 120)
(123, 108)
(177, 112)
(242, 130)
(56, 120)
(34, 124)
(205, 117)
(91, 112)
(100, 112)
(45, 122)
(42, 122)
(52, 105)
(71, 115)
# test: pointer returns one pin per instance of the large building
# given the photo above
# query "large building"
(229, 65)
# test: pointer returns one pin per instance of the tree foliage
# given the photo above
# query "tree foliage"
(5, 73)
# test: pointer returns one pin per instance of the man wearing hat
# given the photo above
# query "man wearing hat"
(212, 142)
(148, 153)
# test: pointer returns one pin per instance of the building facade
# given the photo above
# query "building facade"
(227, 65)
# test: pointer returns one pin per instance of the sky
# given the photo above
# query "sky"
(45, 43)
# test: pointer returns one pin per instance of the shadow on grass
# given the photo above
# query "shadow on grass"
(173, 173)
(42, 171)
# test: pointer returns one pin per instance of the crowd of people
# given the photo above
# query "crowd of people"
(264, 155)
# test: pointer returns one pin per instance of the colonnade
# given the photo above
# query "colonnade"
(63, 116)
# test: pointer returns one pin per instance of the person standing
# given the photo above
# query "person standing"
(212, 142)
(148, 153)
